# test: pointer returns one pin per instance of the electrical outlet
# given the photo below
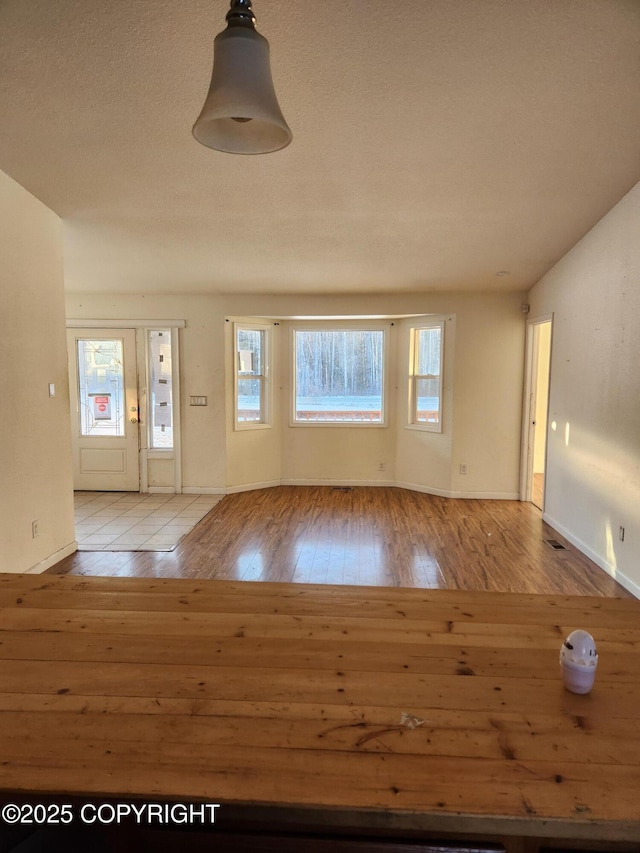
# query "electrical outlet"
(35, 528)
(382, 466)
(463, 468)
(621, 533)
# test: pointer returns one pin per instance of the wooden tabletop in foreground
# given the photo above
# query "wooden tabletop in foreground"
(425, 707)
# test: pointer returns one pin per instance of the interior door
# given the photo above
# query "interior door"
(104, 409)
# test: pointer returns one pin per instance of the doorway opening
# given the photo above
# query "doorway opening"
(536, 410)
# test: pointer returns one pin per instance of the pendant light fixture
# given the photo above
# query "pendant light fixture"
(241, 114)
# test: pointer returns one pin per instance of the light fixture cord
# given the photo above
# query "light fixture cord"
(241, 14)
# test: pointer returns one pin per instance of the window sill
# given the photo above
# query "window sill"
(342, 424)
(435, 428)
(240, 427)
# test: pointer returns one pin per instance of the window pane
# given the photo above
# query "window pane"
(250, 351)
(425, 379)
(161, 390)
(427, 401)
(339, 376)
(251, 378)
(428, 352)
(249, 393)
(101, 387)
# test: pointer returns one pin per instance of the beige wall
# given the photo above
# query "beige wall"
(36, 443)
(486, 386)
(593, 457)
(487, 405)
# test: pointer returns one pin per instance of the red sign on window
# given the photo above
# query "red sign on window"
(102, 407)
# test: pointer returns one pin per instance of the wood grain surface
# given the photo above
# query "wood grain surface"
(427, 705)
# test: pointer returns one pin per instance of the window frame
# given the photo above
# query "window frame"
(337, 326)
(264, 377)
(414, 377)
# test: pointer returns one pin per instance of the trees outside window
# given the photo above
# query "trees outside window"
(339, 376)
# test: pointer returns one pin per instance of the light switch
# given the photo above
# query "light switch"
(197, 401)
(52, 389)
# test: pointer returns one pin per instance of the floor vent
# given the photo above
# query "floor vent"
(557, 546)
(341, 488)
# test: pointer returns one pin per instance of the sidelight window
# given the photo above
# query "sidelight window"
(160, 390)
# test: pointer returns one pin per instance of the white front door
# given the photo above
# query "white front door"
(104, 409)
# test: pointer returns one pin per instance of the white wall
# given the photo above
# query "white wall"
(35, 448)
(593, 458)
(487, 389)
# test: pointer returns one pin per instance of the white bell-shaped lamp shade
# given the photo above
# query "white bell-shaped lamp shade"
(241, 114)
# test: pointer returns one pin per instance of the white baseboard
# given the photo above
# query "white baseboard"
(449, 493)
(340, 483)
(315, 481)
(201, 490)
(251, 487)
(43, 565)
(426, 490)
(489, 496)
(598, 559)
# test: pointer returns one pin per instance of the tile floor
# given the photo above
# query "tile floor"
(128, 521)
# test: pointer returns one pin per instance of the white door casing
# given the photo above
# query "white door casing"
(536, 397)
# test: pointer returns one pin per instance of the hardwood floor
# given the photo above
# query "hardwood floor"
(372, 536)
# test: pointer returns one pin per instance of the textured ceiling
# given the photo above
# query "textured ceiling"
(436, 142)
